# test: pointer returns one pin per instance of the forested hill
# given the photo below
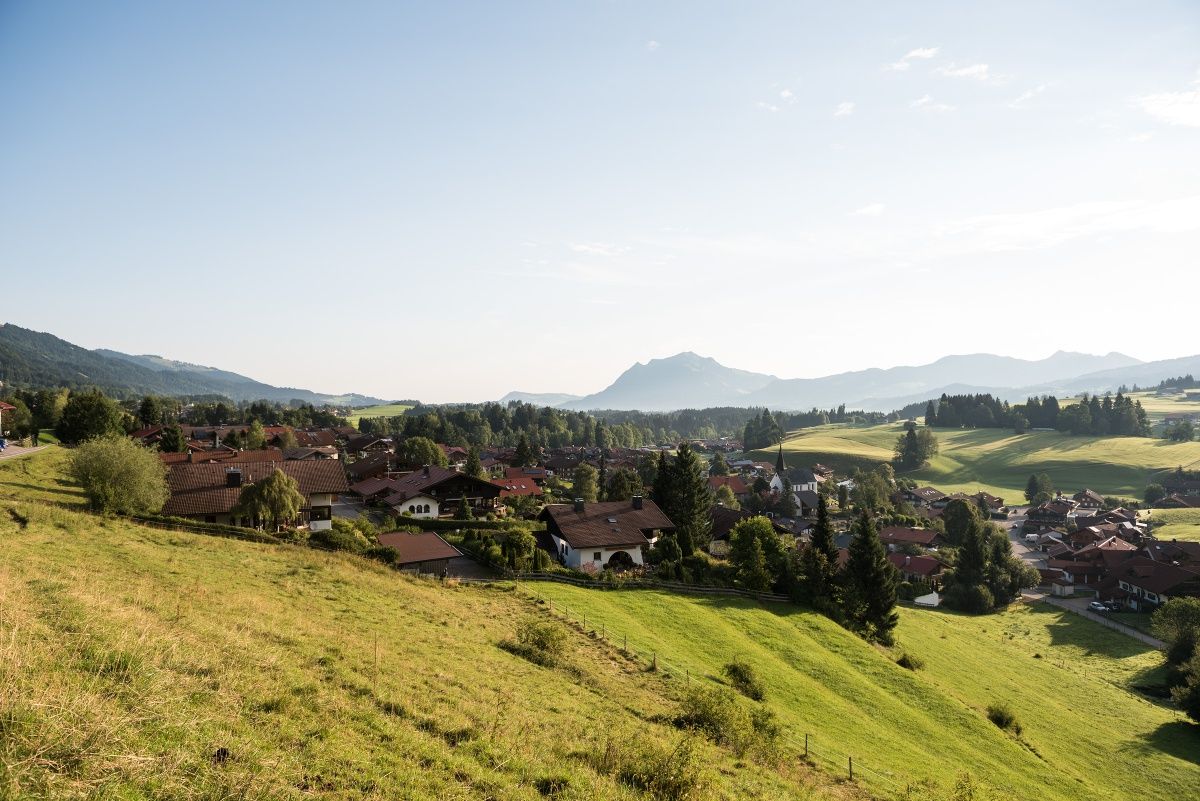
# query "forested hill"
(31, 358)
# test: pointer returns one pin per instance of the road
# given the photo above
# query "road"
(1027, 553)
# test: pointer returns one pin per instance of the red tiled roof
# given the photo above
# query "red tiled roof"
(916, 565)
(200, 489)
(223, 456)
(424, 547)
(735, 484)
(903, 534)
(517, 486)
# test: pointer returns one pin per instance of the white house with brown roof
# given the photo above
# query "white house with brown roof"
(210, 491)
(593, 536)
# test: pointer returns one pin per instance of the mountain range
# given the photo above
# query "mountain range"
(687, 380)
(33, 358)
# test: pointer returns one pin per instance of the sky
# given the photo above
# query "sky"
(448, 201)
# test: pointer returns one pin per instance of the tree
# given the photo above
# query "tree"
(18, 421)
(756, 552)
(1177, 623)
(725, 497)
(930, 413)
(1182, 431)
(914, 448)
(256, 437)
(623, 484)
(871, 582)
(585, 482)
(1153, 494)
(1187, 693)
(417, 452)
(463, 512)
(523, 457)
(172, 440)
(843, 495)
(1037, 484)
(276, 498)
(870, 492)
(719, 466)
(474, 467)
(87, 416)
(689, 502)
(118, 475)
(819, 562)
(150, 411)
(958, 517)
(663, 483)
(1020, 423)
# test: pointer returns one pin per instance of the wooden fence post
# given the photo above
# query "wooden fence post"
(851, 767)
(806, 746)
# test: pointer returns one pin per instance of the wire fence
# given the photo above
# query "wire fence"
(811, 748)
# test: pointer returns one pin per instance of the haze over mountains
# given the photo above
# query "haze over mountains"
(688, 380)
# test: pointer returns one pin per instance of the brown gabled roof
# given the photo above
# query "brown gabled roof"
(223, 456)
(724, 519)
(517, 486)
(424, 547)
(916, 565)
(735, 484)
(200, 489)
(426, 478)
(1157, 577)
(904, 534)
(371, 487)
(607, 524)
(321, 438)
(371, 463)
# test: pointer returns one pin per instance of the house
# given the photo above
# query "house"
(807, 502)
(917, 568)
(311, 452)
(608, 534)
(447, 487)
(538, 475)
(223, 455)
(455, 455)
(1051, 514)
(316, 438)
(425, 552)
(923, 496)
(735, 483)
(724, 519)
(804, 480)
(371, 466)
(1150, 584)
(1181, 483)
(371, 489)
(1178, 501)
(519, 487)
(1088, 499)
(209, 491)
(366, 444)
(410, 504)
(895, 536)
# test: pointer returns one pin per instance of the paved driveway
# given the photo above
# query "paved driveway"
(1023, 550)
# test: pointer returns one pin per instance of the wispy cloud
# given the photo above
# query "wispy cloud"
(1026, 96)
(904, 63)
(929, 104)
(844, 109)
(652, 45)
(767, 106)
(979, 72)
(870, 210)
(597, 248)
(1174, 108)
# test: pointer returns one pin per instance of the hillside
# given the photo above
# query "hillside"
(1085, 734)
(684, 380)
(997, 460)
(33, 358)
(129, 655)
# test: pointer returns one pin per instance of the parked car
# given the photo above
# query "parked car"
(1114, 606)
(1098, 606)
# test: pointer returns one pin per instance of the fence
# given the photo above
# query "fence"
(824, 757)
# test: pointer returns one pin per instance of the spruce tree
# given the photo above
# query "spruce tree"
(1031, 487)
(664, 482)
(930, 413)
(819, 563)
(524, 454)
(689, 502)
(473, 467)
(870, 584)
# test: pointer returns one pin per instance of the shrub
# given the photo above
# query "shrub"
(118, 475)
(743, 679)
(719, 715)
(382, 553)
(910, 661)
(541, 643)
(333, 539)
(1003, 716)
(663, 773)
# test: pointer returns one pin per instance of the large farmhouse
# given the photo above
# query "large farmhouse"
(209, 491)
(610, 534)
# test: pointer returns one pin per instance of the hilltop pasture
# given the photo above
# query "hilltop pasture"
(997, 460)
(384, 410)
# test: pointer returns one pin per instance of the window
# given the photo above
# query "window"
(425, 508)
(597, 556)
(320, 513)
(412, 508)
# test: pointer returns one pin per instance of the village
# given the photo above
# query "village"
(1091, 556)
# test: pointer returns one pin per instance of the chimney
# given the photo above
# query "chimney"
(233, 477)
(191, 455)
(579, 504)
(637, 501)
(426, 469)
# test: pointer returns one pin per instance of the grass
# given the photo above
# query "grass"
(1157, 408)
(39, 476)
(130, 656)
(1175, 524)
(1084, 733)
(386, 410)
(999, 461)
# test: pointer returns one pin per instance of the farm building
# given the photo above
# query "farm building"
(425, 552)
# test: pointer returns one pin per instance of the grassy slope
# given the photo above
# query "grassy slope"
(1176, 524)
(386, 410)
(1085, 735)
(129, 654)
(1158, 408)
(999, 461)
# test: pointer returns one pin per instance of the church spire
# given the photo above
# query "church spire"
(779, 465)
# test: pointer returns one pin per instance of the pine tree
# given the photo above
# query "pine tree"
(930, 413)
(870, 584)
(719, 466)
(688, 501)
(1031, 487)
(524, 455)
(818, 563)
(473, 466)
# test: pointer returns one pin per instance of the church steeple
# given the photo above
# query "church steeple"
(780, 467)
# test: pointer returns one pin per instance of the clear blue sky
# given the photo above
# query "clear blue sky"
(449, 201)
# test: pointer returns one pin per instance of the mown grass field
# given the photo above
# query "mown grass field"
(1175, 524)
(1085, 734)
(1157, 408)
(999, 461)
(386, 410)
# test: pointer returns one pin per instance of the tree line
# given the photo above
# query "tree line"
(1093, 415)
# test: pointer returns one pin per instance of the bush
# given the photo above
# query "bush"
(910, 661)
(382, 553)
(719, 715)
(1003, 716)
(541, 643)
(333, 539)
(663, 773)
(743, 679)
(118, 475)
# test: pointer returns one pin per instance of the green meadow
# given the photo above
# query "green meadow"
(1085, 734)
(385, 410)
(997, 460)
(1175, 524)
